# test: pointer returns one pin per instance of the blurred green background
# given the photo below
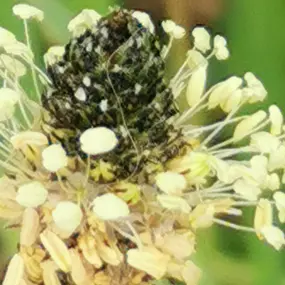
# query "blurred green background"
(254, 29)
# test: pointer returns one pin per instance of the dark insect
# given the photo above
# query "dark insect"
(112, 77)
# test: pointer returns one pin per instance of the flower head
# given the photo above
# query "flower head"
(106, 176)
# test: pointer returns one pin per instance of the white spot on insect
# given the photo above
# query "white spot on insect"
(61, 69)
(80, 94)
(116, 68)
(138, 88)
(97, 86)
(104, 105)
(98, 49)
(67, 106)
(104, 32)
(87, 81)
(139, 42)
(123, 131)
(89, 47)
(131, 42)
(49, 93)
(157, 106)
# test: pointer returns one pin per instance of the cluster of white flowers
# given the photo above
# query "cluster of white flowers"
(151, 224)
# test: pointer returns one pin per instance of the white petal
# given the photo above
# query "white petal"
(32, 194)
(258, 171)
(181, 246)
(110, 207)
(174, 203)
(149, 260)
(98, 140)
(264, 142)
(222, 169)
(196, 59)
(273, 236)
(272, 182)
(263, 216)
(50, 273)
(87, 19)
(247, 190)
(15, 271)
(246, 126)
(171, 182)
(110, 255)
(276, 119)
(54, 54)
(196, 85)
(144, 19)
(8, 99)
(279, 198)
(232, 102)
(67, 216)
(30, 227)
(23, 139)
(57, 250)
(78, 271)
(6, 37)
(202, 216)
(277, 158)
(191, 273)
(54, 157)
(9, 95)
(26, 12)
(12, 65)
(201, 39)
(199, 164)
(19, 49)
